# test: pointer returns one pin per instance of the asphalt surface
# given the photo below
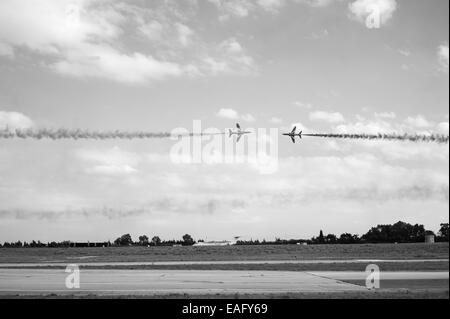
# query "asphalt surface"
(161, 282)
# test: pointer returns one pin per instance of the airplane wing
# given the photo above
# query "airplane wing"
(239, 138)
(293, 139)
(238, 126)
(294, 130)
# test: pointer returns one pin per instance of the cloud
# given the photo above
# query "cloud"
(386, 115)
(303, 105)
(419, 122)
(110, 162)
(300, 180)
(405, 67)
(248, 118)
(14, 120)
(317, 3)
(368, 127)
(443, 57)
(319, 35)
(184, 34)
(98, 39)
(110, 64)
(32, 25)
(232, 114)
(443, 128)
(330, 117)
(412, 124)
(153, 30)
(276, 120)
(231, 46)
(229, 58)
(233, 8)
(83, 44)
(404, 52)
(228, 114)
(6, 50)
(244, 8)
(360, 10)
(271, 5)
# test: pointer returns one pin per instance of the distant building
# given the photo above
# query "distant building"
(430, 239)
(88, 244)
(216, 243)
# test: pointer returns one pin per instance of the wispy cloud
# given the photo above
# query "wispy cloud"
(14, 120)
(244, 8)
(276, 120)
(303, 105)
(111, 162)
(387, 123)
(89, 40)
(6, 50)
(443, 57)
(330, 117)
(232, 114)
(386, 115)
(361, 9)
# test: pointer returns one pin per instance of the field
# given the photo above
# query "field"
(416, 271)
(229, 253)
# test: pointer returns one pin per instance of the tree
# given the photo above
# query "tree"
(443, 232)
(321, 239)
(124, 240)
(188, 240)
(348, 239)
(156, 241)
(400, 232)
(143, 240)
(331, 239)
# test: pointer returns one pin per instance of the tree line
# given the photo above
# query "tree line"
(400, 232)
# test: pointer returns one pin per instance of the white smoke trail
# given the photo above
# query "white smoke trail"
(77, 134)
(416, 138)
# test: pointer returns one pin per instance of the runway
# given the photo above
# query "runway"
(166, 282)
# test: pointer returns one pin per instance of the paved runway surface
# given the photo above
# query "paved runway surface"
(154, 282)
(400, 275)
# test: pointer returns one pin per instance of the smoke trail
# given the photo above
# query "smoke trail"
(78, 134)
(416, 138)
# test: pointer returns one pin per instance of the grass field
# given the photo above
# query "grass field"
(383, 294)
(229, 253)
(401, 266)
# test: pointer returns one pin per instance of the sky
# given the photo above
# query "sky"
(162, 64)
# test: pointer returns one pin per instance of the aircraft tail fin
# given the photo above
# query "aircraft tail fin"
(230, 133)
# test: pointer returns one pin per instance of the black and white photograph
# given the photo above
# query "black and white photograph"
(224, 151)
